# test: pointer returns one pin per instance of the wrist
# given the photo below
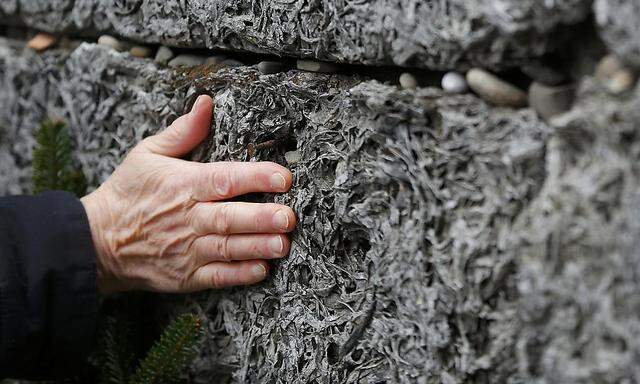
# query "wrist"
(97, 214)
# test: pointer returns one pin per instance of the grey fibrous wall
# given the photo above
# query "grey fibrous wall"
(441, 34)
(440, 239)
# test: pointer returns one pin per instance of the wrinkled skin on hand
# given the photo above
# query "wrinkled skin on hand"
(162, 224)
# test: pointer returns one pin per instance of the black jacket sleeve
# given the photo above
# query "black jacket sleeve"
(48, 294)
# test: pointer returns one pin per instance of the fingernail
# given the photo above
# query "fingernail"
(259, 271)
(277, 181)
(276, 245)
(281, 220)
(197, 105)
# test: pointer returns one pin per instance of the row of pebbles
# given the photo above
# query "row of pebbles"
(166, 56)
(550, 94)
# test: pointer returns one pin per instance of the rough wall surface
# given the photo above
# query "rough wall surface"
(619, 26)
(440, 240)
(579, 247)
(441, 34)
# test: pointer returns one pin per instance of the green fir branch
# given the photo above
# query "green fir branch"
(52, 161)
(117, 356)
(170, 355)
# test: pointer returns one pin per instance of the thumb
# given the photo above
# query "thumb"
(185, 133)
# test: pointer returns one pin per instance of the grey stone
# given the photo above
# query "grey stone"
(186, 60)
(141, 51)
(454, 82)
(495, 90)
(444, 34)
(270, 67)
(293, 157)
(113, 43)
(408, 81)
(316, 66)
(549, 101)
(164, 55)
(618, 23)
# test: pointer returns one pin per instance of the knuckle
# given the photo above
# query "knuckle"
(217, 278)
(223, 249)
(223, 217)
(222, 183)
(259, 248)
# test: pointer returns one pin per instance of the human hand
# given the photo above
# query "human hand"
(161, 224)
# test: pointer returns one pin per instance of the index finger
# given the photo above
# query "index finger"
(225, 180)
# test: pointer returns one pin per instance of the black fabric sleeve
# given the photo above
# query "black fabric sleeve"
(48, 293)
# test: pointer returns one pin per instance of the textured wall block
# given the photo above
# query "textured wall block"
(439, 239)
(427, 34)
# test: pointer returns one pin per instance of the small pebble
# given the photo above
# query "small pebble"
(42, 41)
(112, 42)
(186, 60)
(217, 59)
(270, 67)
(316, 66)
(453, 82)
(608, 67)
(408, 81)
(232, 63)
(163, 55)
(495, 90)
(140, 51)
(621, 82)
(293, 157)
(614, 76)
(549, 101)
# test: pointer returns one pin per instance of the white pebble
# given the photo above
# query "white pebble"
(112, 42)
(453, 82)
(621, 82)
(163, 55)
(186, 61)
(408, 81)
(316, 66)
(293, 157)
(608, 67)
